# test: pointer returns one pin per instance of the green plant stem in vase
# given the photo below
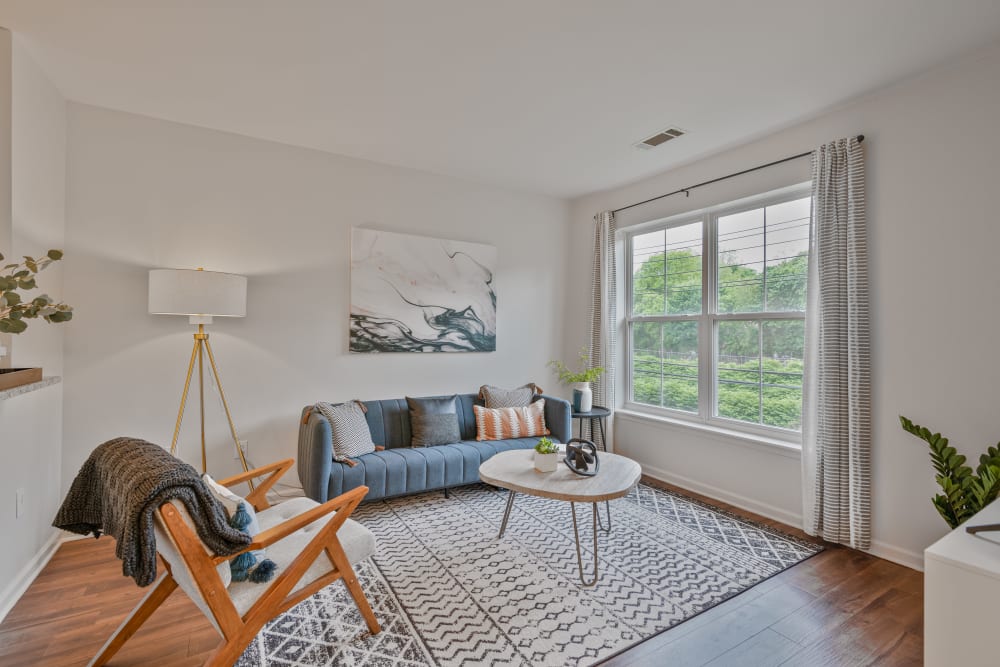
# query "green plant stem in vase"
(583, 396)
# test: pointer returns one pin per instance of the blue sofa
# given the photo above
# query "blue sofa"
(400, 470)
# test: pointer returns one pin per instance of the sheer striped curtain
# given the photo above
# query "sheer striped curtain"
(836, 421)
(602, 318)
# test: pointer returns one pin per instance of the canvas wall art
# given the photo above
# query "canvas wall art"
(419, 294)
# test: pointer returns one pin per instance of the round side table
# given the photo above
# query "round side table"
(598, 413)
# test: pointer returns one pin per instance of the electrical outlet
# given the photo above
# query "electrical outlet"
(19, 504)
(245, 446)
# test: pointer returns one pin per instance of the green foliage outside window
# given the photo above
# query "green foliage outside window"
(665, 354)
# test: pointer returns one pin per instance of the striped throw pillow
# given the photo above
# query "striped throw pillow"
(507, 423)
(350, 434)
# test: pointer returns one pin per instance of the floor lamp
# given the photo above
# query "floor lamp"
(201, 295)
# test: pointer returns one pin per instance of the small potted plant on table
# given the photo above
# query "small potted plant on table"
(546, 455)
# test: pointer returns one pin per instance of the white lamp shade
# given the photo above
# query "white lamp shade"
(197, 293)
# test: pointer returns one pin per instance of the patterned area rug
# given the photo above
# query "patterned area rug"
(448, 592)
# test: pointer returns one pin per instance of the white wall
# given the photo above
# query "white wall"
(31, 424)
(933, 158)
(144, 193)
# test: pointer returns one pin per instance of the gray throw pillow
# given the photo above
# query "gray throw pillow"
(350, 433)
(519, 397)
(433, 421)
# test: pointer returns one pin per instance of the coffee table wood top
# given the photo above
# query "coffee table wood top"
(515, 470)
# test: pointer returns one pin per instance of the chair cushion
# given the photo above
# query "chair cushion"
(358, 543)
(168, 550)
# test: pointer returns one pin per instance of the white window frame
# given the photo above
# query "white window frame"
(708, 320)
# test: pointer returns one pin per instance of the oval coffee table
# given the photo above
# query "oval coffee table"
(515, 471)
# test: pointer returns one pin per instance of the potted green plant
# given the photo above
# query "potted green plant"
(965, 492)
(580, 379)
(16, 309)
(546, 455)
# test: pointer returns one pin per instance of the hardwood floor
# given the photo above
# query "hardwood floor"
(840, 608)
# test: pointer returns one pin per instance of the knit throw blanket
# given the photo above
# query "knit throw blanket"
(120, 487)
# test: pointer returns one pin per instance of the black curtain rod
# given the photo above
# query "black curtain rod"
(688, 189)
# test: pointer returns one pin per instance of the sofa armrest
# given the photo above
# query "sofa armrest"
(315, 454)
(558, 417)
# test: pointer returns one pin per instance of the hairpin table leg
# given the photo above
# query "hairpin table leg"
(579, 553)
(600, 521)
(506, 512)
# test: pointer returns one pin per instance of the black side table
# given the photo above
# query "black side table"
(598, 413)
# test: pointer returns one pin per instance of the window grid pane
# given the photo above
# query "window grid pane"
(665, 364)
(759, 372)
(667, 271)
(761, 268)
(762, 257)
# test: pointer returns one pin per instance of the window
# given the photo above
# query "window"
(716, 313)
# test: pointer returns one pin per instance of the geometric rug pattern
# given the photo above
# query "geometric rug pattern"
(448, 592)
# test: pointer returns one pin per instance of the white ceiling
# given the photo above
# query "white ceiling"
(540, 95)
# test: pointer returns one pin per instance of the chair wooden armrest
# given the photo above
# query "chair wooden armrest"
(258, 497)
(266, 538)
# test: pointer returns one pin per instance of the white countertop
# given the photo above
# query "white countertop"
(27, 388)
(976, 553)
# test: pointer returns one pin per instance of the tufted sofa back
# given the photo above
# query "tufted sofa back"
(389, 420)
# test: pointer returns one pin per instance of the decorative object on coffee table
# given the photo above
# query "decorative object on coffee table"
(546, 455)
(419, 294)
(512, 470)
(201, 295)
(581, 457)
(580, 379)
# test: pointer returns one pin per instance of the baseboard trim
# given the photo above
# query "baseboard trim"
(905, 557)
(743, 502)
(898, 555)
(23, 579)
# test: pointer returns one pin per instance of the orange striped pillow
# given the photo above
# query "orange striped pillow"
(506, 423)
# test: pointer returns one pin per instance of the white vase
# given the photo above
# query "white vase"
(546, 462)
(583, 397)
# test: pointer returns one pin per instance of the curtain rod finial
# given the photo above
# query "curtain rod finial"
(861, 138)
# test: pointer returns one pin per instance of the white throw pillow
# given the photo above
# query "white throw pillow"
(243, 566)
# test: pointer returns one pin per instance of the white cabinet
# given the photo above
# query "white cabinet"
(962, 596)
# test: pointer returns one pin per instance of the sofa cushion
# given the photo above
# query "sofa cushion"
(506, 423)
(350, 434)
(496, 397)
(398, 472)
(433, 421)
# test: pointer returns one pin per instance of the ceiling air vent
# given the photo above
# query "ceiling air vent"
(660, 138)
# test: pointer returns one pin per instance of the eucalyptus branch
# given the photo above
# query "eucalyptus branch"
(19, 277)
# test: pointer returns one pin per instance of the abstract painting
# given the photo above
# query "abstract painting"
(420, 294)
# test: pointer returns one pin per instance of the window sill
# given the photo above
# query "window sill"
(763, 443)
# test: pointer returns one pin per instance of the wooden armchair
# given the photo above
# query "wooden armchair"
(313, 545)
